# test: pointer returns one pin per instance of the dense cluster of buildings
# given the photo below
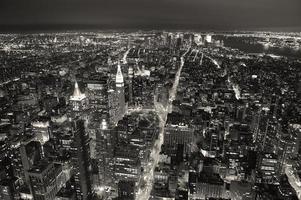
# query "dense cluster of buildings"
(80, 118)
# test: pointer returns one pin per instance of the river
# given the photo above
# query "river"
(249, 45)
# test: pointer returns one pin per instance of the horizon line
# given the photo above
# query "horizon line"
(52, 27)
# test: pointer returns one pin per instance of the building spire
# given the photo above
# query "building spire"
(77, 94)
(77, 91)
(119, 76)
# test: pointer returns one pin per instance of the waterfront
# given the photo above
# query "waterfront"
(249, 45)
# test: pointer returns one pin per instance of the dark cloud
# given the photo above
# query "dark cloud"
(210, 14)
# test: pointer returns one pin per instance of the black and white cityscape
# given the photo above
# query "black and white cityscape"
(149, 113)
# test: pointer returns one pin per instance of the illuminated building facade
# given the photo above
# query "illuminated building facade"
(81, 160)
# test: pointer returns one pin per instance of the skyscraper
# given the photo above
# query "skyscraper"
(78, 100)
(130, 74)
(105, 142)
(30, 152)
(120, 92)
(44, 178)
(97, 93)
(6, 174)
(113, 105)
(81, 160)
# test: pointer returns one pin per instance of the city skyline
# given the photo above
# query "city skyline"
(150, 116)
(150, 100)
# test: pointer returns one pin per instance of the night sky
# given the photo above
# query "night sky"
(152, 14)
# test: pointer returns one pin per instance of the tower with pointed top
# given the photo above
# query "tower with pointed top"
(78, 100)
(120, 93)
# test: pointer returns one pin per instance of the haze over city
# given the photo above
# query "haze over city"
(275, 15)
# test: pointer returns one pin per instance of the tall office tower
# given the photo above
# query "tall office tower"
(127, 165)
(81, 160)
(30, 154)
(113, 107)
(79, 101)
(130, 74)
(6, 173)
(105, 142)
(45, 180)
(97, 94)
(98, 107)
(120, 93)
(178, 134)
(179, 41)
(41, 131)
